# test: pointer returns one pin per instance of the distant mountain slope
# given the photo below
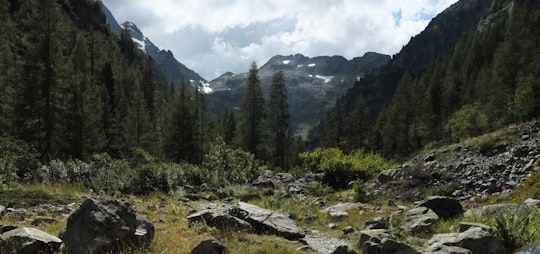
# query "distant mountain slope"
(312, 83)
(165, 62)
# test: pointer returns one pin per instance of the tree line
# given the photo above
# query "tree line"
(72, 91)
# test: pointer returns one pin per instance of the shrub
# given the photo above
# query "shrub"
(360, 193)
(516, 229)
(22, 155)
(340, 169)
(317, 189)
(8, 172)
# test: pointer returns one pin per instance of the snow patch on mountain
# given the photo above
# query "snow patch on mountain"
(286, 61)
(300, 66)
(312, 65)
(140, 44)
(326, 79)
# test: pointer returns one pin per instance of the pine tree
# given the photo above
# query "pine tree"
(358, 127)
(227, 125)
(201, 122)
(7, 69)
(279, 121)
(181, 144)
(334, 126)
(251, 118)
(39, 94)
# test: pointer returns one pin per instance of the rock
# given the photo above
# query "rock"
(332, 226)
(263, 220)
(375, 223)
(464, 226)
(217, 215)
(380, 241)
(210, 247)
(429, 158)
(338, 215)
(388, 175)
(475, 239)
(444, 207)
(348, 230)
(418, 219)
(305, 248)
(532, 202)
(2, 211)
(341, 207)
(328, 245)
(490, 210)
(444, 249)
(28, 241)
(106, 226)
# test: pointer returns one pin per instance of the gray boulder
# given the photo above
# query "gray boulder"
(477, 240)
(28, 241)
(210, 247)
(419, 219)
(101, 226)
(375, 223)
(444, 249)
(464, 226)
(328, 245)
(491, 210)
(444, 207)
(267, 221)
(388, 175)
(217, 215)
(380, 241)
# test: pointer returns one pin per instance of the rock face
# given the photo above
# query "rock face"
(375, 223)
(263, 220)
(419, 219)
(444, 207)
(27, 241)
(491, 210)
(210, 247)
(106, 226)
(217, 215)
(476, 240)
(380, 241)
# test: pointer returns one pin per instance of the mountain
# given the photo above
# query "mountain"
(165, 64)
(312, 83)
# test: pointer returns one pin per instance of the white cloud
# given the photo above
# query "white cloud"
(214, 36)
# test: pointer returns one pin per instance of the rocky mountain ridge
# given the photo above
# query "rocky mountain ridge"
(165, 64)
(312, 83)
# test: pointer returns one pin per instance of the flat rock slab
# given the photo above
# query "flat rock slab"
(264, 220)
(341, 207)
(28, 240)
(328, 245)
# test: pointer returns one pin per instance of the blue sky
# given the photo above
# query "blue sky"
(216, 36)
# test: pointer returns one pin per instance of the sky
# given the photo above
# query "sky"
(215, 36)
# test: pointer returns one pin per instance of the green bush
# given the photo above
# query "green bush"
(22, 155)
(340, 169)
(360, 193)
(8, 172)
(317, 189)
(516, 229)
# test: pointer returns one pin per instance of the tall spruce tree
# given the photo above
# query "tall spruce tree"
(279, 121)
(7, 68)
(251, 115)
(334, 126)
(227, 125)
(181, 144)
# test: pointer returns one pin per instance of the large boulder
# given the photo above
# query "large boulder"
(379, 241)
(28, 241)
(328, 245)
(217, 215)
(476, 239)
(444, 207)
(263, 220)
(375, 223)
(419, 219)
(210, 247)
(106, 226)
(491, 210)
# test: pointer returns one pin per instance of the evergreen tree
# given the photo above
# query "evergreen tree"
(251, 119)
(358, 127)
(201, 121)
(227, 125)
(40, 91)
(181, 143)
(279, 121)
(7, 68)
(334, 126)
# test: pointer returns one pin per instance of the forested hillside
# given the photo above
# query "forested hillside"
(488, 80)
(71, 88)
